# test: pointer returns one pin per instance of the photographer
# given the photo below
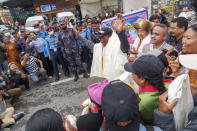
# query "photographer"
(17, 76)
(30, 64)
(9, 90)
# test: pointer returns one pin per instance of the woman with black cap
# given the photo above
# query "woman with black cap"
(147, 72)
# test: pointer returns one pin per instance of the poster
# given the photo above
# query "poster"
(129, 18)
(45, 8)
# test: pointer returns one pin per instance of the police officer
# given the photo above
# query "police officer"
(95, 37)
(21, 43)
(55, 27)
(85, 50)
(39, 33)
(55, 53)
(71, 49)
(87, 29)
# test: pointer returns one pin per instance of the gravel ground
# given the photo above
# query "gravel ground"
(65, 98)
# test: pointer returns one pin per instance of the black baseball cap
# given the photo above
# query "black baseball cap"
(83, 20)
(90, 122)
(95, 22)
(79, 24)
(105, 31)
(120, 106)
(161, 55)
(146, 66)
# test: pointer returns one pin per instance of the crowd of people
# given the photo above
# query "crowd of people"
(128, 88)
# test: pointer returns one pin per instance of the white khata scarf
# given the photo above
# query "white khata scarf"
(108, 61)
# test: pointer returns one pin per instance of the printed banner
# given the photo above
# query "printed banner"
(129, 18)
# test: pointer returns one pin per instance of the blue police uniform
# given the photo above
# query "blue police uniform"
(86, 54)
(21, 45)
(84, 35)
(54, 51)
(42, 34)
(89, 32)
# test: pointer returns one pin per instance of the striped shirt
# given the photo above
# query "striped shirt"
(149, 47)
(31, 65)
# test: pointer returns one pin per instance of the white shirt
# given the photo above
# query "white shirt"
(108, 62)
(145, 41)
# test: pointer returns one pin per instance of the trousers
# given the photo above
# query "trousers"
(86, 57)
(74, 60)
(7, 117)
(36, 76)
(23, 81)
(14, 94)
(58, 57)
(46, 63)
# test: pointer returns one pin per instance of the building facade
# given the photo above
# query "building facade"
(51, 7)
(129, 5)
(5, 16)
(95, 7)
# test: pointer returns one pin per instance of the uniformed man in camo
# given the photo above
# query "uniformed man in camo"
(71, 49)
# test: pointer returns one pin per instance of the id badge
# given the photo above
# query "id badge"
(55, 49)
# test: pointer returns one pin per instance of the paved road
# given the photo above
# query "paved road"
(65, 98)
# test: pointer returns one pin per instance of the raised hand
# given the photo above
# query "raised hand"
(119, 23)
(76, 32)
(42, 70)
(57, 42)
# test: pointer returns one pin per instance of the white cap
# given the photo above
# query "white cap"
(189, 61)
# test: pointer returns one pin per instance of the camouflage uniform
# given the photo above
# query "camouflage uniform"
(71, 49)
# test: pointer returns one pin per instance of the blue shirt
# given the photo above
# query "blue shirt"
(50, 42)
(38, 45)
(89, 33)
(42, 34)
(21, 43)
(155, 128)
(83, 34)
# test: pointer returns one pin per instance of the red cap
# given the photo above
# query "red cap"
(49, 27)
(35, 25)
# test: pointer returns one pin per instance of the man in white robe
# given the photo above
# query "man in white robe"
(108, 59)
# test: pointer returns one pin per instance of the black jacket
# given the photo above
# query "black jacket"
(124, 42)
